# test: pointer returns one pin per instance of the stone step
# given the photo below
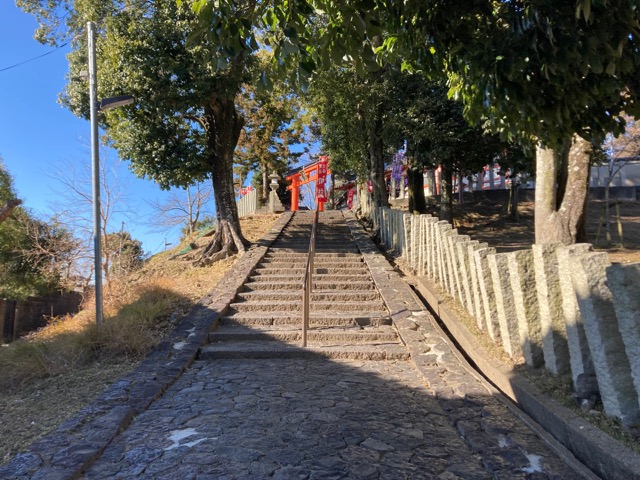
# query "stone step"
(288, 334)
(277, 255)
(318, 262)
(316, 319)
(318, 286)
(343, 246)
(274, 350)
(298, 241)
(317, 277)
(304, 250)
(296, 296)
(272, 270)
(296, 306)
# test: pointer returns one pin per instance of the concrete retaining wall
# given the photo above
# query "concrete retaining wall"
(565, 308)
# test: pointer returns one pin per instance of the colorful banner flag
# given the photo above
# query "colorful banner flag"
(321, 179)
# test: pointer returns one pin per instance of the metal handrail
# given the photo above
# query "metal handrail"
(307, 282)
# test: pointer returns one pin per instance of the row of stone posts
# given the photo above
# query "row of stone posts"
(248, 204)
(565, 308)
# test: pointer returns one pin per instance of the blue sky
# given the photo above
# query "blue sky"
(37, 134)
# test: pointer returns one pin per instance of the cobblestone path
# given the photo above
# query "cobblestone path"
(303, 419)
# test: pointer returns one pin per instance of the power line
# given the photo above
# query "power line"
(34, 58)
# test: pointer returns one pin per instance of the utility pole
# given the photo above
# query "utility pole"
(95, 169)
(102, 105)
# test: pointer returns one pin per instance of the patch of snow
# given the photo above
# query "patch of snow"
(535, 463)
(503, 442)
(179, 345)
(178, 435)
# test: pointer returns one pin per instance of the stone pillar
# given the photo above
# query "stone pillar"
(465, 274)
(415, 245)
(400, 242)
(624, 283)
(432, 248)
(450, 271)
(523, 286)
(384, 225)
(458, 279)
(421, 238)
(610, 360)
(486, 289)
(275, 205)
(396, 221)
(554, 332)
(476, 294)
(582, 372)
(505, 305)
(407, 234)
(443, 228)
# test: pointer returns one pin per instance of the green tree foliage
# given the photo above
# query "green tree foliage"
(555, 74)
(552, 74)
(126, 253)
(185, 125)
(274, 123)
(37, 257)
(437, 134)
(355, 125)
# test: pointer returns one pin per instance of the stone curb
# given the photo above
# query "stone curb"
(595, 449)
(67, 451)
(600, 452)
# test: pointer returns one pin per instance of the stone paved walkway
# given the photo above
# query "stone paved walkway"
(300, 419)
(310, 418)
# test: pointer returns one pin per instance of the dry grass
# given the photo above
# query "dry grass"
(52, 373)
(131, 327)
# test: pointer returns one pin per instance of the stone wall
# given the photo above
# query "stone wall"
(566, 309)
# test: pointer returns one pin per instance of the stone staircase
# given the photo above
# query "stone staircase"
(348, 318)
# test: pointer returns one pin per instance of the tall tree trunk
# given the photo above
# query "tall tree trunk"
(376, 159)
(562, 183)
(460, 189)
(223, 133)
(446, 193)
(265, 185)
(514, 214)
(417, 202)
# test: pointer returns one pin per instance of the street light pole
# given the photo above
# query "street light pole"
(95, 169)
(97, 106)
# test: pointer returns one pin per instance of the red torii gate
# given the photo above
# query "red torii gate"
(304, 176)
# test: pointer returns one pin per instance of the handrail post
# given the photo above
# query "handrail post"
(307, 282)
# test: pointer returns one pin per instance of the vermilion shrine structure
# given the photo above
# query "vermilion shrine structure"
(311, 174)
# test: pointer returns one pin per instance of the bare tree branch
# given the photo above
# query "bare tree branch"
(183, 208)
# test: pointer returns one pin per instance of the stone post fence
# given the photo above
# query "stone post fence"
(567, 309)
(248, 204)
